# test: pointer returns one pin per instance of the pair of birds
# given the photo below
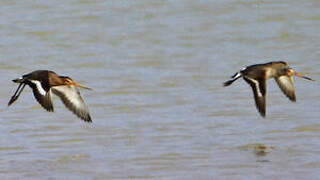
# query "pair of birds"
(44, 82)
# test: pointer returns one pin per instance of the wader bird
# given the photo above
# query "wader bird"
(257, 75)
(43, 82)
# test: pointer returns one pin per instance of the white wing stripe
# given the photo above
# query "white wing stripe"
(39, 87)
(256, 83)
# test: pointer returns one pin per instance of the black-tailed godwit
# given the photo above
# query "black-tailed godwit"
(43, 82)
(257, 75)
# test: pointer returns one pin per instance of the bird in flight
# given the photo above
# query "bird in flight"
(44, 82)
(257, 75)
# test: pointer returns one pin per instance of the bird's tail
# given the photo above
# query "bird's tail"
(233, 78)
(18, 80)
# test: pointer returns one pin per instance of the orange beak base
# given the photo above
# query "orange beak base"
(79, 85)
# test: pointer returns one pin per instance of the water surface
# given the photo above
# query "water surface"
(158, 105)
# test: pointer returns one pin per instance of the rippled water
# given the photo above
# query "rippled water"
(158, 105)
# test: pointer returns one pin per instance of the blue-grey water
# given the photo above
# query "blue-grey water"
(158, 106)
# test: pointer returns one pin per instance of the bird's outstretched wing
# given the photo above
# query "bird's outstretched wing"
(72, 99)
(42, 96)
(286, 85)
(259, 92)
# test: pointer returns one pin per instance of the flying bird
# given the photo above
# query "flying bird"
(43, 83)
(257, 75)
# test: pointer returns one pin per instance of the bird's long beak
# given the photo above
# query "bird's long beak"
(302, 76)
(79, 85)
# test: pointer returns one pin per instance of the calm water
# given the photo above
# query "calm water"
(158, 105)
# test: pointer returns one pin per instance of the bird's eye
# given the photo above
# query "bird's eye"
(68, 81)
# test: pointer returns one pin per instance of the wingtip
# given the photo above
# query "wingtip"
(227, 83)
(9, 103)
(262, 114)
(87, 119)
(12, 100)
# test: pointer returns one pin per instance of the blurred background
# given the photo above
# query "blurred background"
(158, 106)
